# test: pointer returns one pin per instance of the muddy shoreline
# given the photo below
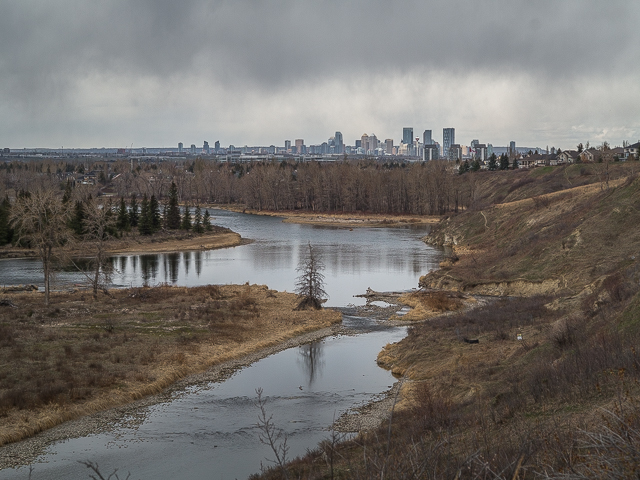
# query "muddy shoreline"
(360, 419)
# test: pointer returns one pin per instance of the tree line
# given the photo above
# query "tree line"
(349, 186)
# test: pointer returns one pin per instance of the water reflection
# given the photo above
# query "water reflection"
(149, 268)
(186, 258)
(355, 260)
(311, 359)
(198, 261)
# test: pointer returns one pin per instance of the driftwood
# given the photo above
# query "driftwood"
(466, 340)
(7, 303)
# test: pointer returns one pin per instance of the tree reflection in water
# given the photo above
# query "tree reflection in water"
(311, 358)
(186, 257)
(172, 266)
(198, 260)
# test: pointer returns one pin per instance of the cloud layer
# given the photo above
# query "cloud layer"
(155, 72)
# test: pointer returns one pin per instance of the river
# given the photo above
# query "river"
(209, 431)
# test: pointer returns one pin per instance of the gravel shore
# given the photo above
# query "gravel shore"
(362, 418)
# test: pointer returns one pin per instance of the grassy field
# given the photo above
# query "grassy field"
(79, 355)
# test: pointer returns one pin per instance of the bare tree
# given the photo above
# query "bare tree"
(40, 220)
(272, 436)
(310, 283)
(99, 224)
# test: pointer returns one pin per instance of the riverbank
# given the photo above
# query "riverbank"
(77, 356)
(133, 243)
(345, 220)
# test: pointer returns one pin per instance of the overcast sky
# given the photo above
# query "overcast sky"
(157, 72)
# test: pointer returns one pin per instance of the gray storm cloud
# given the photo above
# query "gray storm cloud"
(51, 52)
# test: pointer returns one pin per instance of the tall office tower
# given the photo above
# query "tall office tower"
(205, 147)
(426, 138)
(407, 135)
(217, 145)
(299, 146)
(364, 142)
(180, 146)
(339, 142)
(358, 144)
(448, 139)
(193, 149)
(389, 146)
(287, 145)
(512, 148)
(373, 143)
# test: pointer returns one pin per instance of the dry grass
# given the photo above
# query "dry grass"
(426, 304)
(78, 355)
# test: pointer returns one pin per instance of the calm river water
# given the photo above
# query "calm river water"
(210, 431)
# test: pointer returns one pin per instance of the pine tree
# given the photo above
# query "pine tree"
(197, 220)
(133, 211)
(145, 222)
(67, 193)
(493, 163)
(504, 162)
(6, 232)
(206, 221)
(154, 214)
(186, 219)
(475, 165)
(76, 222)
(123, 223)
(515, 164)
(310, 283)
(173, 211)
(464, 167)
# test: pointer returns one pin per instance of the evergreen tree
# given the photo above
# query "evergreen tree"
(186, 219)
(133, 211)
(493, 162)
(206, 221)
(145, 222)
(67, 193)
(76, 222)
(154, 214)
(123, 217)
(197, 220)
(475, 165)
(504, 162)
(6, 232)
(515, 164)
(464, 167)
(173, 211)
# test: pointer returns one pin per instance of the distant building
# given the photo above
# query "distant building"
(373, 144)
(217, 145)
(300, 148)
(389, 146)
(426, 138)
(287, 146)
(180, 147)
(448, 139)
(454, 152)
(205, 147)
(364, 142)
(339, 143)
(407, 135)
(430, 152)
(193, 149)
(512, 149)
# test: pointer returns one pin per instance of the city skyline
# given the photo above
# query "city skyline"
(158, 73)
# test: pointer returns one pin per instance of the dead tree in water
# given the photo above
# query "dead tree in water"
(310, 283)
